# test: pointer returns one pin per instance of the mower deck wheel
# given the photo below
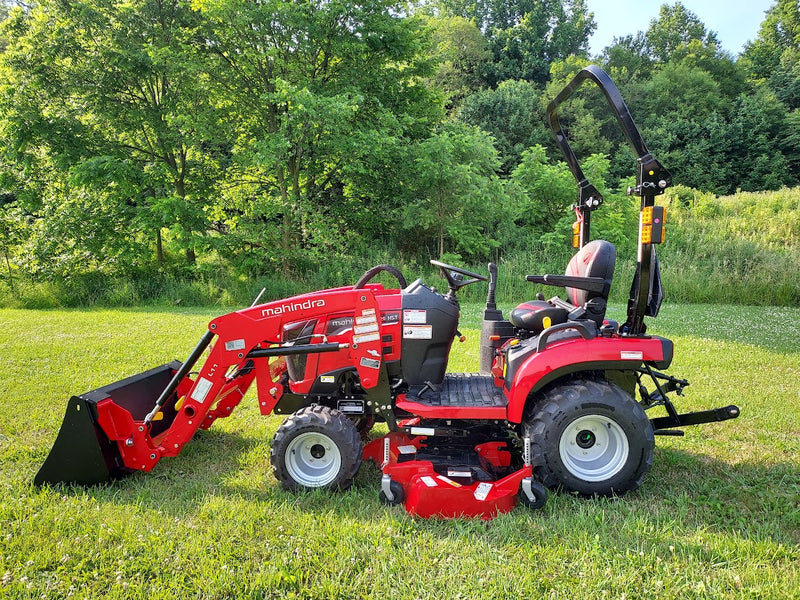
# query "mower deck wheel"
(398, 493)
(539, 496)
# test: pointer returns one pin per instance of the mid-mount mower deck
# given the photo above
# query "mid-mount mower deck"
(553, 406)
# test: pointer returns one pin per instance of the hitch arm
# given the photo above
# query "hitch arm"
(696, 418)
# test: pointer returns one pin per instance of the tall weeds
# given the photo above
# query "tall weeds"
(741, 249)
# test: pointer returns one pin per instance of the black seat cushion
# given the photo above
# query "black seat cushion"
(537, 315)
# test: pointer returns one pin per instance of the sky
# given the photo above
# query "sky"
(735, 21)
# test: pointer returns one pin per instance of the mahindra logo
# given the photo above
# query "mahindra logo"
(284, 308)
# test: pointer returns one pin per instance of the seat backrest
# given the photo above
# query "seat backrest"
(595, 259)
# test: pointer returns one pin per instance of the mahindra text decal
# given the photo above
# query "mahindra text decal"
(284, 308)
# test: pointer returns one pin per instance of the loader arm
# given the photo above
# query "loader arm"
(157, 420)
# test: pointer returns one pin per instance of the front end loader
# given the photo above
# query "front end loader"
(563, 399)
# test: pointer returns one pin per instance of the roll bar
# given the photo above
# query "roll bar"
(651, 180)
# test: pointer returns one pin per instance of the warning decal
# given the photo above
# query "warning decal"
(201, 389)
(482, 491)
(418, 332)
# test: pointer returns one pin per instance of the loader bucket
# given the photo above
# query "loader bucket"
(82, 453)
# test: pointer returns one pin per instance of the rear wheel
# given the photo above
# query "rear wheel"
(589, 436)
(316, 447)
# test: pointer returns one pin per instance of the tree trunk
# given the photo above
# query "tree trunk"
(286, 224)
(10, 275)
(180, 189)
(159, 248)
(298, 202)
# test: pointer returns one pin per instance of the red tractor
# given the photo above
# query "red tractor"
(555, 404)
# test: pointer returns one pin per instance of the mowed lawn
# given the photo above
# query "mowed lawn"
(717, 517)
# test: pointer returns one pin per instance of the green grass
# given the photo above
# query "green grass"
(717, 517)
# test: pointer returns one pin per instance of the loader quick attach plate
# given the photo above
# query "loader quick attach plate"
(82, 453)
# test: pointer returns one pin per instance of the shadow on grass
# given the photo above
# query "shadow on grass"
(684, 493)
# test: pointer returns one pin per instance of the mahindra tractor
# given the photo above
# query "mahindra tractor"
(564, 400)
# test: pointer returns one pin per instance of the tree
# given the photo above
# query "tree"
(627, 58)
(460, 52)
(757, 125)
(317, 91)
(544, 192)
(774, 57)
(778, 35)
(526, 36)
(674, 29)
(121, 84)
(680, 91)
(512, 114)
(454, 196)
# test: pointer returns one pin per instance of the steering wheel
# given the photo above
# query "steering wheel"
(456, 283)
(369, 275)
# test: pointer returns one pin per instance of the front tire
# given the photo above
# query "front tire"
(590, 437)
(316, 447)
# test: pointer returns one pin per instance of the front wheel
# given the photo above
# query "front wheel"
(590, 437)
(316, 447)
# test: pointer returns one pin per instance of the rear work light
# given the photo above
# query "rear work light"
(653, 229)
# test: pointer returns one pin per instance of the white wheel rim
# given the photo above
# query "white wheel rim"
(594, 448)
(313, 459)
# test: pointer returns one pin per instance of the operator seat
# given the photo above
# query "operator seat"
(594, 264)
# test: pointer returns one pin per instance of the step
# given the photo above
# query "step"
(459, 396)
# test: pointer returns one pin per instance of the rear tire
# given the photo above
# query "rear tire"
(590, 437)
(316, 447)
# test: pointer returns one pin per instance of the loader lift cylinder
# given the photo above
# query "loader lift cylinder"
(186, 367)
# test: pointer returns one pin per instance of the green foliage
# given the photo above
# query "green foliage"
(674, 30)
(214, 140)
(461, 52)
(525, 36)
(544, 193)
(740, 246)
(512, 114)
(453, 193)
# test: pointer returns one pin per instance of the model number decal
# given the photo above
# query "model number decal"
(201, 389)
(415, 317)
(370, 363)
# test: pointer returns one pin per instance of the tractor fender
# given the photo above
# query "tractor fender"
(577, 355)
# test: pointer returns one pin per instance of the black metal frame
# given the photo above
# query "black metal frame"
(651, 180)
(646, 292)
